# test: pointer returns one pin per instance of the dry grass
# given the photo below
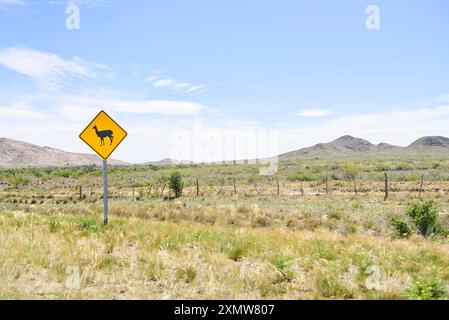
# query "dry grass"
(233, 247)
(222, 244)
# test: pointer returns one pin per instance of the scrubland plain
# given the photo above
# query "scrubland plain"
(316, 230)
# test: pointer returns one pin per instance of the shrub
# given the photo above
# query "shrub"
(383, 167)
(282, 264)
(243, 209)
(351, 171)
(425, 216)
(54, 225)
(403, 166)
(436, 165)
(260, 220)
(442, 231)
(237, 251)
(64, 173)
(38, 173)
(428, 289)
(176, 183)
(401, 228)
(18, 180)
(87, 224)
(154, 270)
(306, 177)
(330, 287)
(186, 274)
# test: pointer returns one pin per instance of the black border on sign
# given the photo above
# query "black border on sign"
(126, 134)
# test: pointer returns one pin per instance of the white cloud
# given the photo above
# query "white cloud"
(8, 5)
(48, 69)
(197, 88)
(314, 113)
(159, 81)
(84, 3)
(20, 110)
(63, 116)
(443, 99)
(400, 127)
(56, 121)
(163, 107)
(11, 3)
(164, 83)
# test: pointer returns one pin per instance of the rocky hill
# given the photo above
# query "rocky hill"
(351, 146)
(428, 145)
(15, 153)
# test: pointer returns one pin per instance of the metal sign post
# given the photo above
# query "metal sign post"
(103, 135)
(105, 192)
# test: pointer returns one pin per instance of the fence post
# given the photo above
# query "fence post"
(327, 184)
(197, 187)
(420, 186)
(162, 189)
(277, 182)
(235, 188)
(302, 188)
(221, 187)
(81, 193)
(386, 186)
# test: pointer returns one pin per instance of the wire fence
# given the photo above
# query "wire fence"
(201, 188)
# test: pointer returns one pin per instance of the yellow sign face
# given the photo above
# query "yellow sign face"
(103, 135)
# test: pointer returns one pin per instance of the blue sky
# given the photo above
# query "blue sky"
(308, 70)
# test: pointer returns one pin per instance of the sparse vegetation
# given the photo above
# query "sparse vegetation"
(301, 243)
(425, 217)
(17, 180)
(401, 228)
(186, 275)
(176, 183)
(427, 289)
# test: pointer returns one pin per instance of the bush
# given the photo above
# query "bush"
(186, 275)
(403, 166)
(425, 217)
(401, 228)
(440, 230)
(282, 264)
(154, 270)
(429, 289)
(305, 177)
(176, 183)
(237, 252)
(87, 224)
(64, 173)
(18, 180)
(351, 171)
(383, 167)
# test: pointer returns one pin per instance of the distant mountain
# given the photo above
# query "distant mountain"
(428, 145)
(350, 146)
(343, 146)
(15, 153)
(386, 147)
(168, 162)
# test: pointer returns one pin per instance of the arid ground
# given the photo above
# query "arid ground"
(235, 237)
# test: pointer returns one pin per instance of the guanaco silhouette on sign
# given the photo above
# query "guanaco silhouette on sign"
(103, 134)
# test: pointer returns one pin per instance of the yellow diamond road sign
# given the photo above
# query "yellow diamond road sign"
(103, 135)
